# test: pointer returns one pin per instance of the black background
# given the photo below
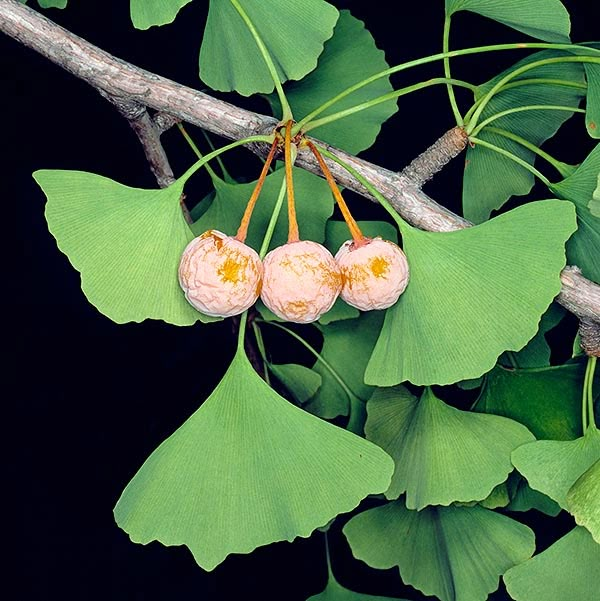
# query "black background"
(88, 400)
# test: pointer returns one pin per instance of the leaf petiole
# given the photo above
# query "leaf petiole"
(385, 98)
(212, 155)
(285, 107)
(430, 59)
(587, 410)
(520, 109)
(356, 405)
(560, 167)
(196, 151)
(451, 96)
(513, 157)
(474, 119)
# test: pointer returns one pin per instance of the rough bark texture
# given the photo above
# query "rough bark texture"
(437, 156)
(173, 102)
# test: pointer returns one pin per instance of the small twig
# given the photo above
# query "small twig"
(164, 121)
(436, 157)
(149, 137)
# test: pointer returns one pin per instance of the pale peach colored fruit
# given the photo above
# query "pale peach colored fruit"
(375, 274)
(220, 275)
(301, 281)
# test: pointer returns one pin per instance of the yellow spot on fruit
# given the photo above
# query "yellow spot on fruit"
(231, 271)
(379, 266)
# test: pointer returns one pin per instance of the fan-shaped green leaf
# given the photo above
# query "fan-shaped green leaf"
(347, 347)
(569, 569)
(583, 500)
(543, 19)
(53, 3)
(146, 13)
(583, 248)
(302, 382)
(552, 467)
(248, 469)
(473, 294)
(442, 454)
(546, 400)
(524, 498)
(537, 351)
(490, 178)
(293, 33)
(126, 242)
(461, 551)
(334, 591)
(594, 205)
(349, 57)
(314, 205)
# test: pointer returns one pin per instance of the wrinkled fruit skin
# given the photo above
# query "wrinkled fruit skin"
(220, 275)
(301, 281)
(374, 274)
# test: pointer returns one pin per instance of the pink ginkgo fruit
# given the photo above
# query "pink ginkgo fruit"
(301, 281)
(220, 275)
(375, 273)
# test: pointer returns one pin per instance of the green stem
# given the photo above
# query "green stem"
(528, 82)
(317, 355)
(534, 65)
(430, 59)
(287, 111)
(451, 96)
(260, 344)
(532, 147)
(226, 174)
(512, 157)
(368, 185)
(216, 153)
(588, 383)
(390, 96)
(328, 559)
(241, 333)
(273, 221)
(197, 152)
(520, 109)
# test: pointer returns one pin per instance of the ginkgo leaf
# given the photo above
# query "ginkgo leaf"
(583, 500)
(569, 569)
(583, 249)
(490, 178)
(552, 466)
(454, 553)
(347, 346)
(125, 242)
(525, 498)
(472, 294)
(53, 3)
(349, 57)
(248, 469)
(146, 13)
(442, 454)
(292, 32)
(594, 205)
(537, 351)
(542, 19)
(334, 591)
(546, 400)
(314, 206)
(301, 381)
